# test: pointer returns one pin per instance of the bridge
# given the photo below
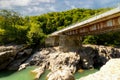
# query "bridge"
(70, 37)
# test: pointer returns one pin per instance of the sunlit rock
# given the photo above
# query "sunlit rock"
(109, 71)
(60, 74)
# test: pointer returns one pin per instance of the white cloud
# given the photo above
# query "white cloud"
(67, 3)
(47, 1)
(20, 2)
(4, 4)
(52, 8)
(73, 6)
(12, 3)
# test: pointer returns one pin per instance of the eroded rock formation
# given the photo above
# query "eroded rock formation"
(89, 56)
(110, 71)
(12, 56)
(60, 74)
(57, 61)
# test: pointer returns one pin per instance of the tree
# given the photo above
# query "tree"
(35, 35)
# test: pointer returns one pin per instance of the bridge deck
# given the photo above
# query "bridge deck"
(101, 23)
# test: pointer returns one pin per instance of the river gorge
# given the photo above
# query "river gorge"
(52, 64)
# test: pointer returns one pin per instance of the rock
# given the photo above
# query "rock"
(57, 61)
(62, 60)
(15, 64)
(19, 59)
(94, 55)
(60, 74)
(6, 48)
(32, 60)
(86, 57)
(38, 72)
(53, 60)
(27, 51)
(110, 71)
(5, 58)
(23, 66)
(8, 54)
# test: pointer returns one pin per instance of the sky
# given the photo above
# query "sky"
(37, 7)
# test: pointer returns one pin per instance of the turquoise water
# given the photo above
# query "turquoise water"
(27, 75)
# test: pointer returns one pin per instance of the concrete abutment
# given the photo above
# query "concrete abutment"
(65, 42)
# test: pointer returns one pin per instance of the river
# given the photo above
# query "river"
(27, 75)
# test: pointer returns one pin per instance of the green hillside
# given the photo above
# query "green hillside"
(33, 29)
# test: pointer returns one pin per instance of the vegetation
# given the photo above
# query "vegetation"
(34, 29)
(109, 39)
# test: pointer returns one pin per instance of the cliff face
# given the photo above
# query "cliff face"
(10, 54)
(98, 55)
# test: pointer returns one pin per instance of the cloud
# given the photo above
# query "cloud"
(47, 1)
(67, 2)
(79, 3)
(35, 7)
(12, 3)
(52, 8)
(21, 3)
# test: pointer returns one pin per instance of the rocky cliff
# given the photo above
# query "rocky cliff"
(11, 56)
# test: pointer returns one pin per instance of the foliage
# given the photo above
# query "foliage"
(111, 38)
(35, 34)
(34, 29)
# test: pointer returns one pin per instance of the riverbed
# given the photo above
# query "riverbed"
(27, 75)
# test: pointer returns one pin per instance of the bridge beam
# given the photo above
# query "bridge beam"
(70, 43)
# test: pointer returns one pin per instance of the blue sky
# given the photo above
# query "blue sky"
(36, 7)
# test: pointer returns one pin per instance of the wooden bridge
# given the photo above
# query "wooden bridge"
(105, 22)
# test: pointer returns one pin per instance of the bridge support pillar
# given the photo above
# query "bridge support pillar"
(52, 41)
(70, 43)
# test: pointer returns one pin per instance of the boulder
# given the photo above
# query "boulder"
(6, 48)
(109, 71)
(62, 60)
(23, 66)
(86, 57)
(60, 74)
(38, 72)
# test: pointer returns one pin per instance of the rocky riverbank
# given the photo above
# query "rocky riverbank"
(61, 64)
(54, 60)
(64, 64)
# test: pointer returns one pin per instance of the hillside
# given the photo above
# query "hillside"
(33, 29)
